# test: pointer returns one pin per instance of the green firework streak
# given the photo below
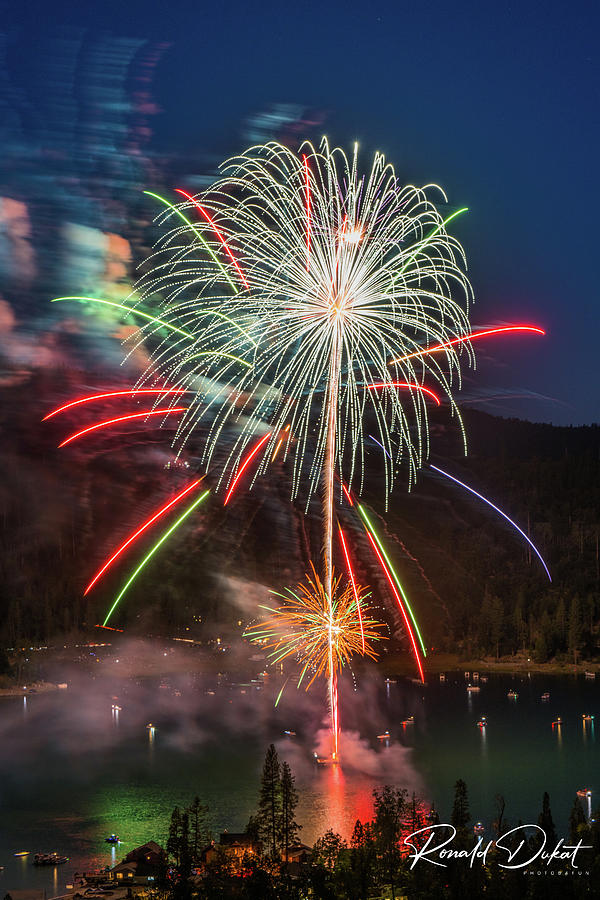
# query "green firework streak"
(151, 553)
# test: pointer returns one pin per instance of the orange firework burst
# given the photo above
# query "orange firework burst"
(322, 635)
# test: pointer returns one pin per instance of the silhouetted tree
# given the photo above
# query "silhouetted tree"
(289, 802)
(460, 809)
(389, 805)
(199, 831)
(269, 811)
(545, 820)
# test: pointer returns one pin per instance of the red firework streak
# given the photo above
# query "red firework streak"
(130, 393)
(470, 337)
(245, 465)
(352, 580)
(405, 384)
(141, 415)
(400, 605)
(216, 230)
(140, 531)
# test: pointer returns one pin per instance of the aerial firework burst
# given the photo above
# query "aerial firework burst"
(319, 286)
(301, 302)
(297, 300)
(302, 625)
(322, 631)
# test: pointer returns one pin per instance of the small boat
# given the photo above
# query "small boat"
(150, 725)
(584, 792)
(49, 859)
(473, 688)
(546, 696)
(590, 674)
(112, 839)
(409, 721)
(478, 828)
(587, 718)
(383, 737)
(391, 681)
(22, 853)
(482, 722)
(290, 733)
(323, 760)
(558, 721)
(512, 695)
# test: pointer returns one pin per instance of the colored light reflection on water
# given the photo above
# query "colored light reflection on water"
(80, 770)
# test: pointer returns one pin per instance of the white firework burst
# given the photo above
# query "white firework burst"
(293, 286)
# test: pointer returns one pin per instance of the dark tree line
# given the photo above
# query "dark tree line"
(376, 861)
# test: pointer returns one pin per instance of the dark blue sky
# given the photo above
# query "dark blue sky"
(498, 103)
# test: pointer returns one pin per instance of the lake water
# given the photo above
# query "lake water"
(73, 769)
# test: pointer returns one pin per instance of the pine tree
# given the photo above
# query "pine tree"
(545, 821)
(173, 840)
(199, 833)
(460, 810)
(269, 808)
(577, 821)
(289, 802)
(363, 858)
(389, 806)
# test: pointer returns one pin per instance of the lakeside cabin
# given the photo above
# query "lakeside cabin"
(143, 865)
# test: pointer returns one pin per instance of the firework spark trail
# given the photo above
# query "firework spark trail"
(217, 231)
(377, 540)
(353, 582)
(144, 527)
(187, 512)
(387, 574)
(244, 466)
(129, 310)
(404, 384)
(469, 337)
(498, 510)
(132, 392)
(141, 415)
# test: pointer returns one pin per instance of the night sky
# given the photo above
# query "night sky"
(498, 103)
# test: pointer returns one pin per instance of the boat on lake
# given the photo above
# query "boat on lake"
(22, 853)
(49, 859)
(482, 722)
(409, 721)
(478, 828)
(587, 717)
(512, 695)
(383, 737)
(473, 688)
(112, 839)
(546, 696)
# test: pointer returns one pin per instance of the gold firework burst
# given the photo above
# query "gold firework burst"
(322, 633)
